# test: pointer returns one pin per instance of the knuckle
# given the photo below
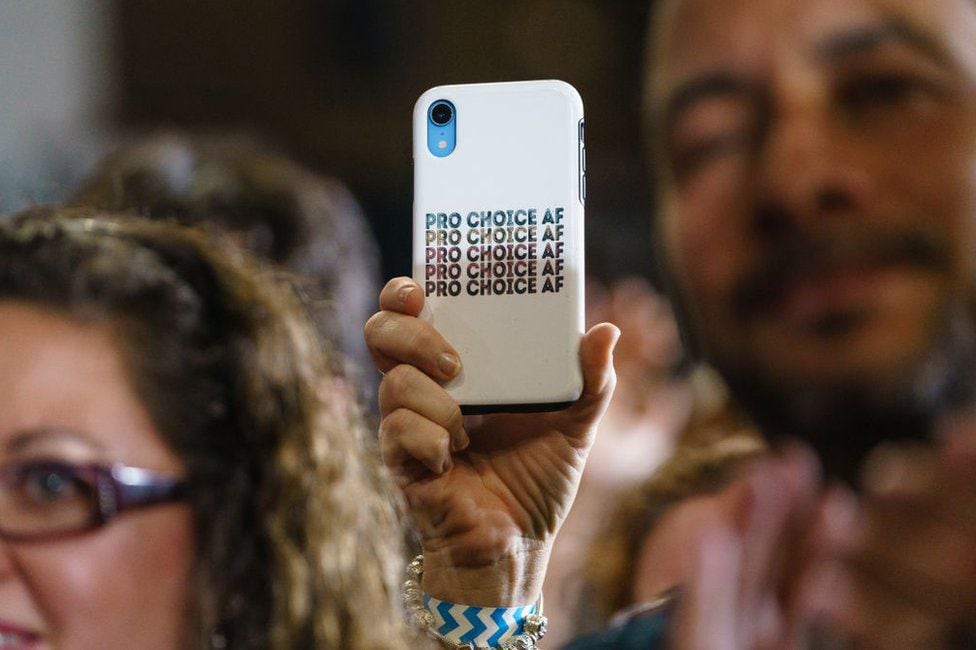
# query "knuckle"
(388, 449)
(392, 430)
(396, 382)
(398, 422)
(431, 447)
(376, 324)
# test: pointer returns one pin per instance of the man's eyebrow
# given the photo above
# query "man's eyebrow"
(707, 86)
(862, 40)
(23, 440)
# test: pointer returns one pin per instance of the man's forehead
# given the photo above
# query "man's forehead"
(692, 34)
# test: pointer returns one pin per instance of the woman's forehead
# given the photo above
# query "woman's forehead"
(62, 375)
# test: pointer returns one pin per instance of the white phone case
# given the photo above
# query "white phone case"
(509, 299)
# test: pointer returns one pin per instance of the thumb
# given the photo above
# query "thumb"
(599, 379)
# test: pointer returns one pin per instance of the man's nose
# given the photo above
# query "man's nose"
(807, 175)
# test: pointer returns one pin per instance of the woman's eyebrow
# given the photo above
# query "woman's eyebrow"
(25, 439)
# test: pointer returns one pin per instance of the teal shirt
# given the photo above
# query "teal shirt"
(646, 632)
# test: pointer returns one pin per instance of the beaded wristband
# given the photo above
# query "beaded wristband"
(464, 627)
(482, 626)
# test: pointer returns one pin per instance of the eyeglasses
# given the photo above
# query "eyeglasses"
(43, 500)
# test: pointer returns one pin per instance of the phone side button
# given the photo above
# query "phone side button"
(583, 188)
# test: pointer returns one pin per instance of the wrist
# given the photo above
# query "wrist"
(469, 627)
(510, 580)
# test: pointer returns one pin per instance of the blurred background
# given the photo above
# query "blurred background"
(332, 82)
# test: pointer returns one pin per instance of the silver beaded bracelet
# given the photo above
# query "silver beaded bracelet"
(533, 625)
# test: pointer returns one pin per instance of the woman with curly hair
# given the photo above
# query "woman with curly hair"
(172, 473)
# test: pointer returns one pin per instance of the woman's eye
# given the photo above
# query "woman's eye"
(48, 485)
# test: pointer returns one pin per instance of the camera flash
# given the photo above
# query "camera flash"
(442, 144)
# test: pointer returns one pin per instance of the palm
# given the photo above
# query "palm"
(516, 480)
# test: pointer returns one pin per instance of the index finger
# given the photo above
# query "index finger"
(396, 335)
(394, 338)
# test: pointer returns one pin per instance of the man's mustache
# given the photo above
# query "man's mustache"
(765, 285)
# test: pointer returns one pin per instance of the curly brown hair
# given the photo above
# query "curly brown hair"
(305, 223)
(298, 537)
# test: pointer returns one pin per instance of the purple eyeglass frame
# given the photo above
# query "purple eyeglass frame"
(119, 488)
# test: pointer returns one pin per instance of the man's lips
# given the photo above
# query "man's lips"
(809, 298)
(805, 277)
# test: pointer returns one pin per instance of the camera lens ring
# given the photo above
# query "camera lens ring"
(441, 113)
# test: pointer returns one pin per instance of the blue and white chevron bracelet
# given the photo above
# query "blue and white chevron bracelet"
(468, 627)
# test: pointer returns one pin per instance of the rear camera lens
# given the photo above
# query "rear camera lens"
(441, 113)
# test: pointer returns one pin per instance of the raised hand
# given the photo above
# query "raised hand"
(487, 493)
(911, 560)
(763, 580)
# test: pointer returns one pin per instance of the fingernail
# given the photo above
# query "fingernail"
(449, 364)
(405, 292)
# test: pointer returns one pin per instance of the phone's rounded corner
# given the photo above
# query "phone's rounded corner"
(568, 91)
(566, 396)
(573, 388)
(424, 101)
(575, 393)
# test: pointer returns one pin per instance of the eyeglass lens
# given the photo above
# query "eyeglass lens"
(46, 498)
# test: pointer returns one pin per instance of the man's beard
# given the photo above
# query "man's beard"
(844, 421)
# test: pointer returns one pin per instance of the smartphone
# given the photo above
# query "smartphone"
(499, 190)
